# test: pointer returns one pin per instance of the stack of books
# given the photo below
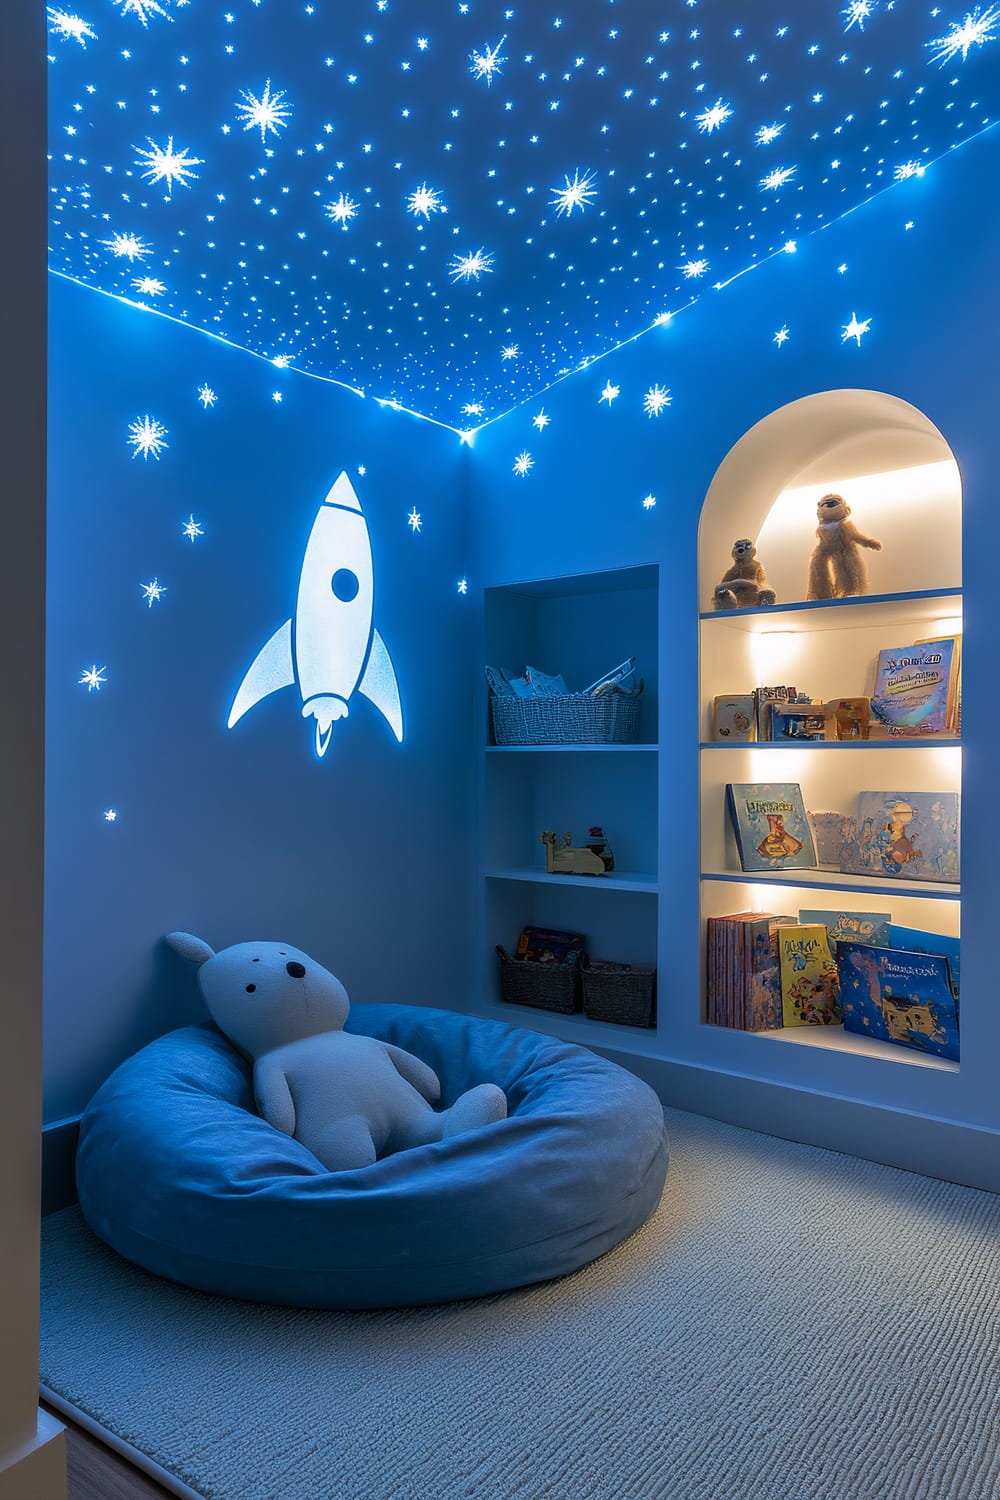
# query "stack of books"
(744, 975)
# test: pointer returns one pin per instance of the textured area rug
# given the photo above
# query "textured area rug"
(791, 1325)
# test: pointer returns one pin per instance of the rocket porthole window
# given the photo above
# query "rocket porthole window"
(345, 585)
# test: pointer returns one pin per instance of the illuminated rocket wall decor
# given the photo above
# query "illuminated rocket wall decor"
(330, 648)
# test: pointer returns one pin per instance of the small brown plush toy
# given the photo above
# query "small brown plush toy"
(745, 583)
(837, 567)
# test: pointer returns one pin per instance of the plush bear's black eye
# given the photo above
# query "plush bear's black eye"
(251, 988)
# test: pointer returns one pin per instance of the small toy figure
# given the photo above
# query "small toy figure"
(562, 859)
(744, 584)
(597, 843)
(837, 568)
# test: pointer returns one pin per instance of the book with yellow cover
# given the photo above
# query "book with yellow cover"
(809, 992)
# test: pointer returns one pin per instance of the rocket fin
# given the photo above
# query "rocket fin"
(270, 670)
(379, 686)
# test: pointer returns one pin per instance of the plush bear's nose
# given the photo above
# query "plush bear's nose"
(297, 971)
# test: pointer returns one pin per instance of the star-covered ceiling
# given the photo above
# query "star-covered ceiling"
(451, 205)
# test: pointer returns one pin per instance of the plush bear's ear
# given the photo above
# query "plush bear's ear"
(189, 947)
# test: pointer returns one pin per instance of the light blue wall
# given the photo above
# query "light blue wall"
(932, 294)
(360, 858)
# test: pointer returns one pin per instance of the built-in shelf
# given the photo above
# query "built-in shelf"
(568, 749)
(836, 1039)
(924, 743)
(835, 614)
(619, 881)
(832, 880)
(579, 1028)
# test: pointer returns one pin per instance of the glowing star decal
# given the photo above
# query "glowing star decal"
(857, 12)
(94, 678)
(541, 421)
(649, 502)
(854, 329)
(655, 399)
(207, 396)
(149, 286)
(146, 436)
(609, 393)
(62, 24)
(768, 133)
(907, 169)
(523, 462)
(342, 211)
(777, 178)
(470, 267)
(164, 164)
(510, 351)
(487, 63)
(143, 9)
(413, 520)
(153, 592)
(463, 585)
(111, 816)
(330, 649)
(268, 112)
(128, 245)
(425, 201)
(692, 268)
(979, 27)
(711, 119)
(193, 528)
(472, 409)
(576, 194)
(781, 336)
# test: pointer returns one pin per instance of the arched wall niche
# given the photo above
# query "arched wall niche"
(893, 466)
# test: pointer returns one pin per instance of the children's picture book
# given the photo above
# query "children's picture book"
(917, 941)
(798, 721)
(898, 996)
(829, 831)
(771, 827)
(744, 978)
(809, 993)
(913, 688)
(954, 713)
(854, 927)
(733, 718)
(848, 718)
(764, 697)
(905, 835)
(547, 945)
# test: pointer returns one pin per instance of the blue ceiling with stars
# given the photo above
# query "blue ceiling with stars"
(452, 205)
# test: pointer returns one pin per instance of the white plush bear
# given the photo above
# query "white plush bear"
(349, 1099)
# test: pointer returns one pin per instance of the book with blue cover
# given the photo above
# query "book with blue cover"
(905, 835)
(897, 996)
(855, 926)
(771, 827)
(918, 941)
(913, 688)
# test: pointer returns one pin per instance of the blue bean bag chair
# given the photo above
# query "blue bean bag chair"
(177, 1172)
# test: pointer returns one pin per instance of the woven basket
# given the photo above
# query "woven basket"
(625, 994)
(569, 719)
(548, 986)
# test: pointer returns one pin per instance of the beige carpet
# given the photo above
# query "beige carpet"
(791, 1325)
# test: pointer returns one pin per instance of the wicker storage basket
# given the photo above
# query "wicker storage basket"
(568, 719)
(623, 993)
(546, 986)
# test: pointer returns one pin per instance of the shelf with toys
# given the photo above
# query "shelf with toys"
(559, 636)
(814, 655)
